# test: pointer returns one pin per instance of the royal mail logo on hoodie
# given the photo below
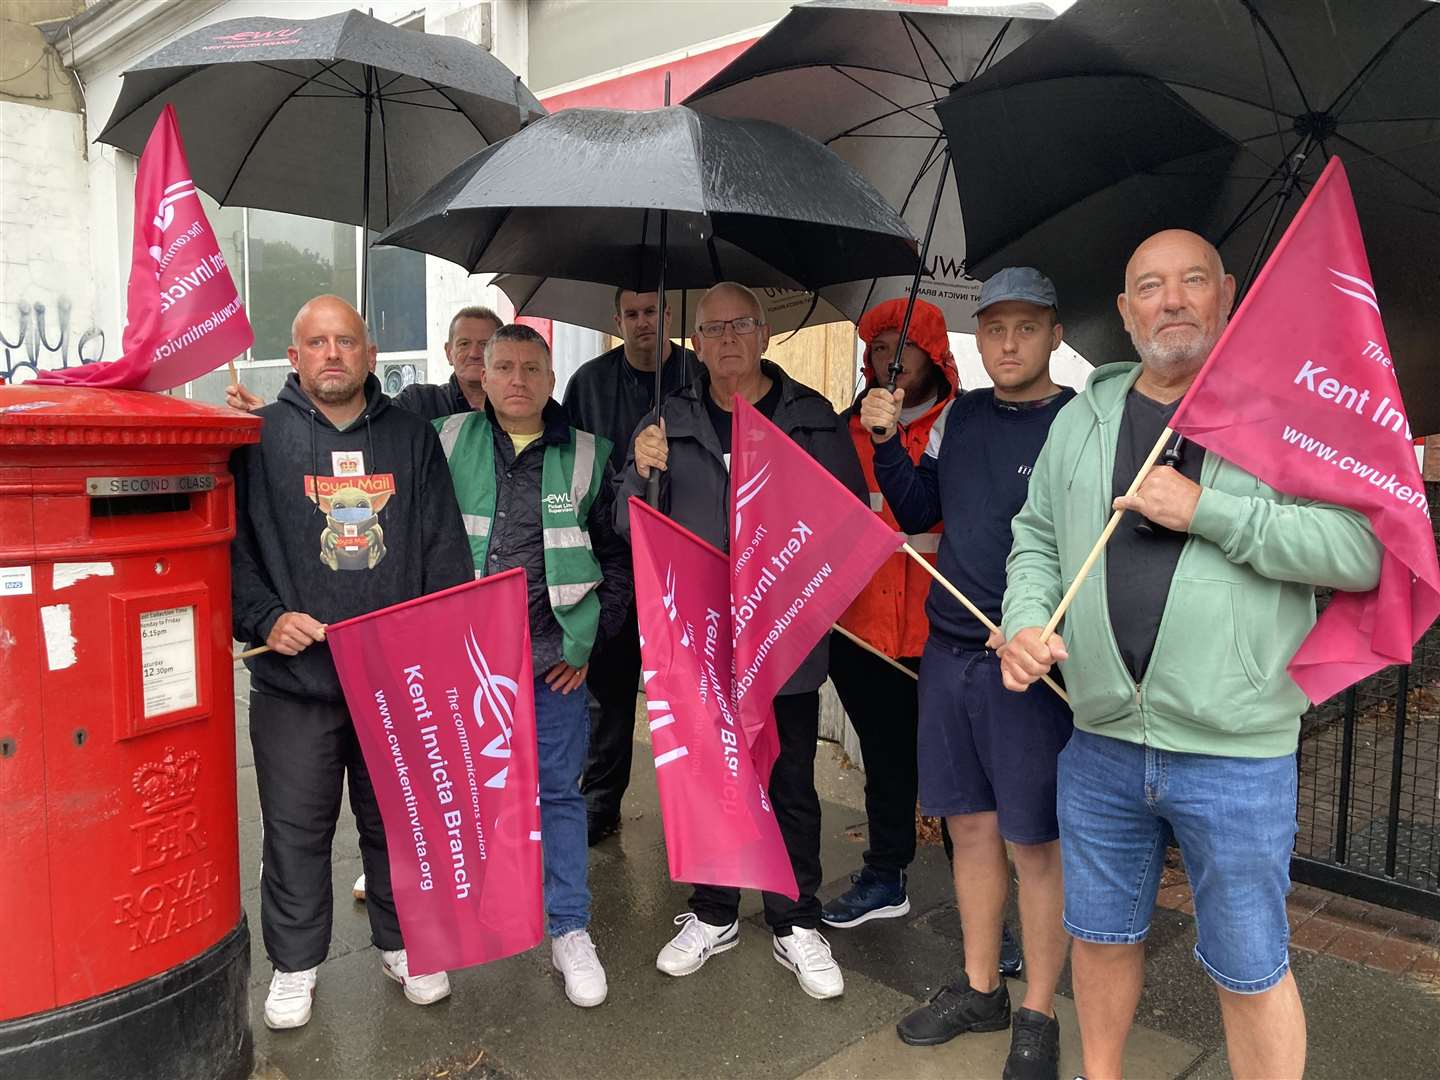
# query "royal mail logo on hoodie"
(352, 538)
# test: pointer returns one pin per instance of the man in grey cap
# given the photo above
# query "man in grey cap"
(987, 758)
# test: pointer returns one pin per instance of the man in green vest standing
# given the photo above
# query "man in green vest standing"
(536, 493)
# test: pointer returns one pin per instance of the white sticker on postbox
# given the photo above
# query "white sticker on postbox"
(16, 581)
(167, 660)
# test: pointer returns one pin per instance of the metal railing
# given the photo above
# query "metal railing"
(1369, 799)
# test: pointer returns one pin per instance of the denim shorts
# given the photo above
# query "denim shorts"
(983, 748)
(1120, 803)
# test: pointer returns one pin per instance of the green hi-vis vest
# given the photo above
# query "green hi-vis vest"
(570, 480)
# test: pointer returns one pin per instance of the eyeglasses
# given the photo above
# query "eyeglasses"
(743, 326)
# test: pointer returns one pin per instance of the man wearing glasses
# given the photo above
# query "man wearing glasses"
(691, 445)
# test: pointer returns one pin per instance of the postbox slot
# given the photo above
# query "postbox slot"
(110, 506)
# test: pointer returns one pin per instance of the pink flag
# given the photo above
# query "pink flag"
(720, 828)
(183, 316)
(802, 547)
(442, 696)
(1301, 392)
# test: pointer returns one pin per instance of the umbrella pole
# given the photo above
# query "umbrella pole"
(897, 361)
(662, 341)
(1287, 188)
(365, 213)
(662, 346)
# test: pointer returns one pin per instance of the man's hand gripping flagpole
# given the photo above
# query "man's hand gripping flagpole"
(965, 602)
(1165, 436)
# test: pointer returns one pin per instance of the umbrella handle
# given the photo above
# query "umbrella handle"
(897, 364)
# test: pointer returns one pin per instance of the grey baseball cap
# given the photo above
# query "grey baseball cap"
(1018, 283)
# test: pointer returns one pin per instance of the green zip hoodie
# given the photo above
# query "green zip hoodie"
(1241, 601)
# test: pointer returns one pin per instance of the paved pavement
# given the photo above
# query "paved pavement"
(744, 1015)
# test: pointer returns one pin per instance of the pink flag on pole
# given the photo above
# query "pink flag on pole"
(183, 316)
(802, 548)
(720, 827)
(1301, 392)
(442, 696)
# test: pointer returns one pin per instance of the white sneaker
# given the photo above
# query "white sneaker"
(288, 1003)
(419, 989)
(807, 953)
(696, 942)
(574, 956)
(358, 889)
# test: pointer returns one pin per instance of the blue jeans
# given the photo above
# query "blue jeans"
(1234, 819)
(562, 729)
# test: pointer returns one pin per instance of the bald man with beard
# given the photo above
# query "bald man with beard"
(1174, 655)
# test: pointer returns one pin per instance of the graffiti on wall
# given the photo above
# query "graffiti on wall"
(36, 345)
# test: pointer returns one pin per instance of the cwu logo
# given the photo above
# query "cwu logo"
(495, 697)
(747, 492)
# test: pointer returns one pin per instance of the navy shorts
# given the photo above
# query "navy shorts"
(983, 748)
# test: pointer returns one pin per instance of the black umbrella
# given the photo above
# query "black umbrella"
(344, 118)
(661, 198)
(592, 304)
(582, 194)
(1122, 118)
(861, 76)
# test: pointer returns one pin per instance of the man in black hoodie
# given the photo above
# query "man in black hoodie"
(609, 396)
(344, 506)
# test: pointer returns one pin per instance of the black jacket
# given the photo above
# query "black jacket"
(695, 488)
(358, 544)
(609, 398)
(516, 537)
(431, 402)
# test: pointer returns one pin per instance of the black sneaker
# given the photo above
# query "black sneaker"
(956, 1009)
(1012, 961)
(1034, 1047)
(600, 829)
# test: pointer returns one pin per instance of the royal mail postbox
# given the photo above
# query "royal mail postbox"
(126, 949)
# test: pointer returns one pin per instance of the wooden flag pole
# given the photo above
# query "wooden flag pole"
(874, 651)
(234, 375)
(968, 606)
(1110, 526)
(251, 652)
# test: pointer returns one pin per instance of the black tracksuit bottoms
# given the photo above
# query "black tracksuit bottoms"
(797, 809)
(884, 709)
(613, 683)
(304, 751)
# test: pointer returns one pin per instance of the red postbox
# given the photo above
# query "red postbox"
(126, 947)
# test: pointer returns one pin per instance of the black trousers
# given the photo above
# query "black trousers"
(884, 709)
(613, 682)
(797, 809)
(304, 750)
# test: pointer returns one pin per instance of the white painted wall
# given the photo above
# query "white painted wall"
(45, 256)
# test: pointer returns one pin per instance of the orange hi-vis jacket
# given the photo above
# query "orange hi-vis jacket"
(890, 613)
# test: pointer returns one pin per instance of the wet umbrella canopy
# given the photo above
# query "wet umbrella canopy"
(1123, 118)
(861, 76)
(344, 118)
(580, 194)
(273, 111)
(592, 304)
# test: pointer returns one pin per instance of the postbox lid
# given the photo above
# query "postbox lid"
(83, 415)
